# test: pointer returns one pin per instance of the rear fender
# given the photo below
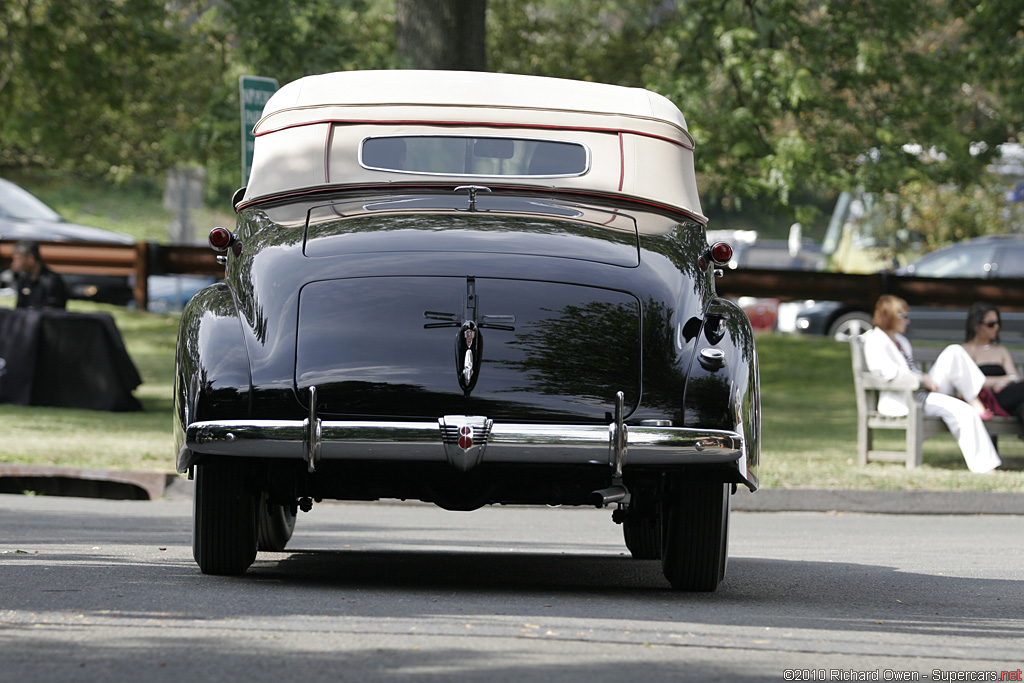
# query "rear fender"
(211, 375)
(723, 384)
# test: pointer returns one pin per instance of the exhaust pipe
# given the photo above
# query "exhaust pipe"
(612, 494)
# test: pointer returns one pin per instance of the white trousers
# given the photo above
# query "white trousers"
(955, 371)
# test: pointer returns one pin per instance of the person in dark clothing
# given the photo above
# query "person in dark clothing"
(994, 360)
(37, 285)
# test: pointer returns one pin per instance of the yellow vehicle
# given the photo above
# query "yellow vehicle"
(850, 243)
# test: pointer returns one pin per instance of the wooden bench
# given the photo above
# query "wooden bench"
(916, 424)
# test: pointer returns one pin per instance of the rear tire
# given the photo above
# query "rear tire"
(275, 525)
(223, 520)
(643, 536)
(695, 548)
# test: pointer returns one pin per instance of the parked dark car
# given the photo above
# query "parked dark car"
(997, 256)
(25, 217)
(496, 292)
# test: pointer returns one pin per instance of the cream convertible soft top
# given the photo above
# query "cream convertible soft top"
(312, 130)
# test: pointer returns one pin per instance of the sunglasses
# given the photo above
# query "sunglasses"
(994, 323)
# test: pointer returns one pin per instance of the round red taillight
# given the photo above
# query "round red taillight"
(721, 253)
(221, 238)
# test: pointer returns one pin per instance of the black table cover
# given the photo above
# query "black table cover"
(70, 360)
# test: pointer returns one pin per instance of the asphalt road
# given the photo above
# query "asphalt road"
(106, 590)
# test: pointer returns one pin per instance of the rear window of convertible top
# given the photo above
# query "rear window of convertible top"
(474, 156)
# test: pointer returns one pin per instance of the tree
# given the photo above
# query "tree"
(289, 40)
(119, 88)
(97, 88)
(786, 96)
(994, 54)
(591, 40)
(796, 99)
(922, 217)
(286, 41)
(441, 34)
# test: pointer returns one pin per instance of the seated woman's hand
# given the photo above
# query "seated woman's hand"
(1002, 383)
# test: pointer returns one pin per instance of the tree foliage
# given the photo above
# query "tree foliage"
(924, 216)
(800, 95)
(95, 87)
(791, 99)
(285, 41)
(591, 40)
(118, 88)
(289, 40)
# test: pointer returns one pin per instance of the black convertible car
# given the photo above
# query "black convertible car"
(468, 289)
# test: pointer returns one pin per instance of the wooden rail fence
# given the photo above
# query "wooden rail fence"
(143, 259)
(864, 290)
(138, 260)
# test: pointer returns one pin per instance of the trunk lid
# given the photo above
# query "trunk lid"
(396, 348)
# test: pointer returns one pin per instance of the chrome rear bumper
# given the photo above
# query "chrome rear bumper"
(321, 440)
(466, 441)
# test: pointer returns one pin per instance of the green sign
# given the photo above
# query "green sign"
(254, 91)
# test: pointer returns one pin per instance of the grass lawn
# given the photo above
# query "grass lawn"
(95, 439)
(810, 429)
(809, 424)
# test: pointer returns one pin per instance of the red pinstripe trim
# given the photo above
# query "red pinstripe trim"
(327, 155)
(492, 124)
(622, 163)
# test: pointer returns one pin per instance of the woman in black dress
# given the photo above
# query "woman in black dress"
(994, 359)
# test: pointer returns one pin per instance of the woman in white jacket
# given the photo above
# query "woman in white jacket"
(888, 354)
